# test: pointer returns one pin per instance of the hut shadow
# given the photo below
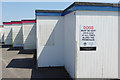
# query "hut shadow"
(31, 38)
(14, 48)
(23, 51)
(26, 63)
(6, 46)
(50, 72)
(47, 56)
(38, 73)
(18, 39)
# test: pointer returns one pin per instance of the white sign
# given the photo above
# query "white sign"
(87, 39)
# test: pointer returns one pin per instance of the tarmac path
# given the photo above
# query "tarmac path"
(18, 64)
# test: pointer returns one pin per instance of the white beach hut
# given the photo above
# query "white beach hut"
(29, 34)
(83, 38)
(50, 38)
(7, 33)
(17, 34)
(1, 33)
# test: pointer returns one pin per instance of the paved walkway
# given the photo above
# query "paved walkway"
(17, 63)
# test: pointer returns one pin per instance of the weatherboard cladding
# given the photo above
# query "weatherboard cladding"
(80, 6)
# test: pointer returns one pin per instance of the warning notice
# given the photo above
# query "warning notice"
(87, 39)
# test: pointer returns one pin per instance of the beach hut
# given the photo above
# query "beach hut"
(17, 34)
(50, 38)
(29, 34)
(91, 43)
(7, 33)
(1, 33)
(83, 38)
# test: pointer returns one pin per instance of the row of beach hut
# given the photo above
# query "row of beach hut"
(19, 34)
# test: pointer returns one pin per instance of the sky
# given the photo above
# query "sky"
(12, 11)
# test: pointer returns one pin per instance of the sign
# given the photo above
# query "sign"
(87, 39)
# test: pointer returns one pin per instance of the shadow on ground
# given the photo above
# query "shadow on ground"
(50, 73)
(15, 49)
(30, 63)
(22, 51)
(21, 63)
(6, 46)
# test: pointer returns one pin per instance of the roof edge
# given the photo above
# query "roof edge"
(6, 23)
(28, 20)
(50, 11)
(93, 4)
(108, 7)
(16, 22)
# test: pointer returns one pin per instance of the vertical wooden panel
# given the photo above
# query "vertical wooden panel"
(102, 63)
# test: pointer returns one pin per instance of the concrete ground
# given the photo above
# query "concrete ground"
(18, 64)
